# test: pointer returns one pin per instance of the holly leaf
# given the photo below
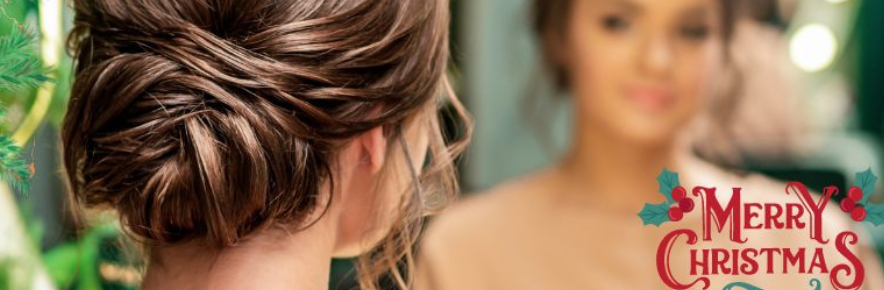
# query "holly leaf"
(667, 180)
(875, 213)
(654, 214)
(866, 181)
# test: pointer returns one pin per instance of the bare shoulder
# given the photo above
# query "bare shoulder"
(488, 215)
(466, 240)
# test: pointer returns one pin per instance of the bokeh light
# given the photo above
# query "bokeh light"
(813, 47)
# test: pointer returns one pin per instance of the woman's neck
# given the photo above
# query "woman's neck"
(617, 172)
(271, 259)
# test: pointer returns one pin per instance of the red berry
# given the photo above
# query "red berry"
(855, 193)
(847, 205)
(675, 214)
(686, 205)
(679, 193)
(858, 213)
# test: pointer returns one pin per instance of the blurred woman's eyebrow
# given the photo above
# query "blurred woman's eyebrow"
(628, 5)
(697, 12)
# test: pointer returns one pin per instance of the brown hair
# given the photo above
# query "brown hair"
(213, 119)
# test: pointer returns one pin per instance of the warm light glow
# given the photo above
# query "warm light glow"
(836, 1)
(813, 47)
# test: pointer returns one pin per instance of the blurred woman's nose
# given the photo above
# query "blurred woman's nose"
(657, 57)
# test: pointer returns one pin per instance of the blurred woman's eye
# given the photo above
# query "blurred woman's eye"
(615, 23)
(694, 32)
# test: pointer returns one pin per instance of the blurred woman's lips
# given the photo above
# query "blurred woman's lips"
(649, 98)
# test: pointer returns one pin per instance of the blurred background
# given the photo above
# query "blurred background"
(817, 66)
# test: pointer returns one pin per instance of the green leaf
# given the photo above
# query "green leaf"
(875, 213)
(667, 180)
(19, 65)
(13, 168)
(654, 214)
(61, 263)
(866, 181)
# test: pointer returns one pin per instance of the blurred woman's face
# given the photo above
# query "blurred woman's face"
(640, 69)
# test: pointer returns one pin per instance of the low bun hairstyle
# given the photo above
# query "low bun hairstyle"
(212, 119)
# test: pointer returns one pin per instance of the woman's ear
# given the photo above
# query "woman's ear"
(373, 148)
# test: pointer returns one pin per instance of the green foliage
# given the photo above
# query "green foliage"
(19, 67)
(15, 273)
(667, 181)
(4, 274)
(654, 214)
(76, 264)
(866, 182)
(13, 168)
(875, 214)
(657, 214)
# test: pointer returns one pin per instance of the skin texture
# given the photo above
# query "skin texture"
(373, 177)
(639, 71)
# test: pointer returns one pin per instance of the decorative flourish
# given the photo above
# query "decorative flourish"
(740, 285)
(814, 282)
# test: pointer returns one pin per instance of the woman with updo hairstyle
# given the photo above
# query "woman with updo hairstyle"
(246, 143)
(638, 75)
